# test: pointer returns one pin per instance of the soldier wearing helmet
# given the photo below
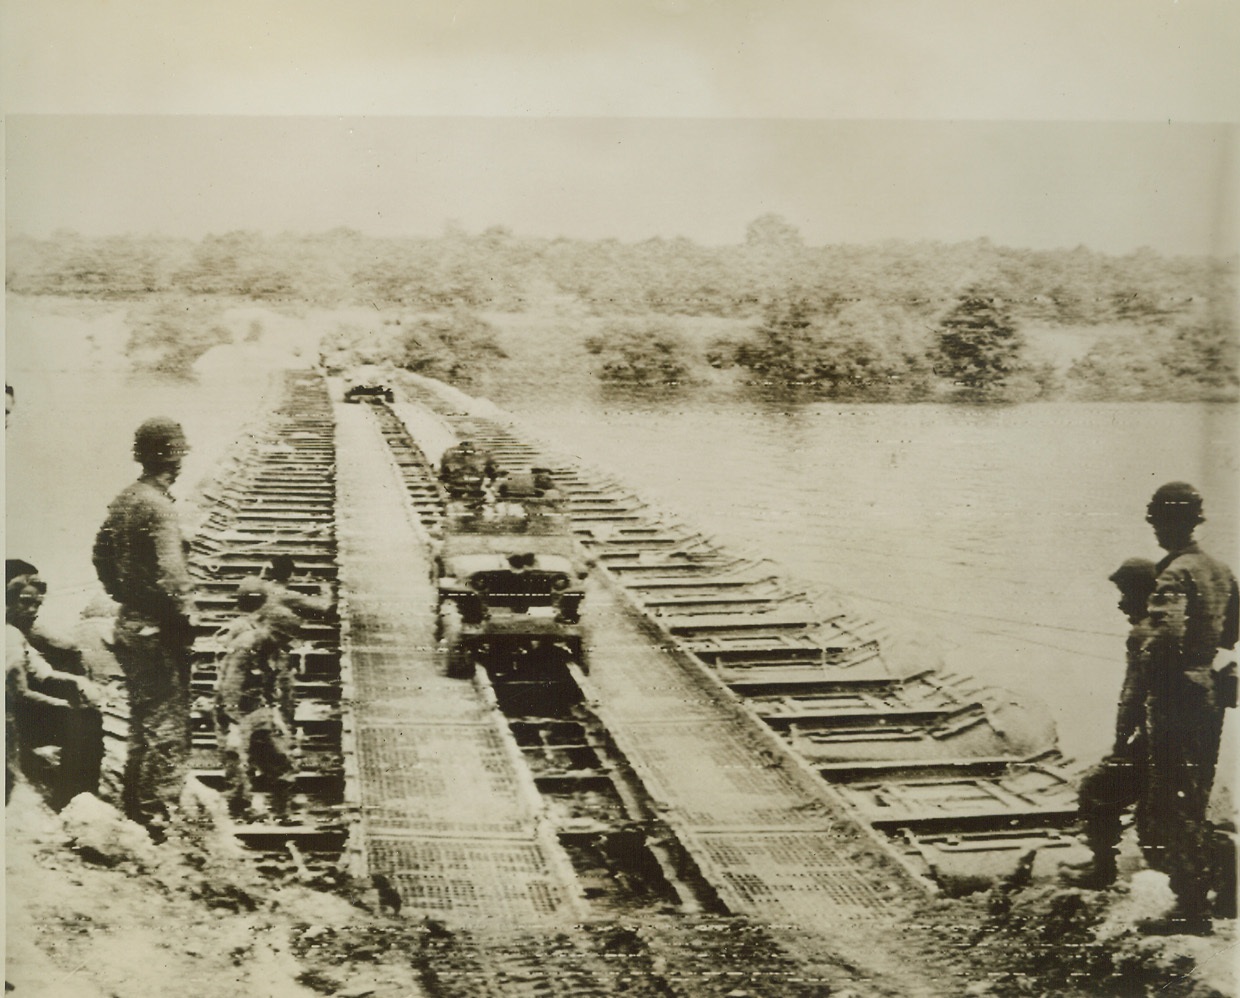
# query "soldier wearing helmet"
(49, 698)
(1118, 782)
(159, 441)
(139, 556)
(466, 471)
(254, 724)
(1192, 614)
(259, 596)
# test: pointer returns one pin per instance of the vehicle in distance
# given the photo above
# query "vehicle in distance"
(369, 393)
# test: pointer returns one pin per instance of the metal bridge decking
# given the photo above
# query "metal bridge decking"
(444, 811)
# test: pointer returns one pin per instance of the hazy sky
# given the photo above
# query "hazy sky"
(1037, 123)
(1111, 186)
(1094, 60)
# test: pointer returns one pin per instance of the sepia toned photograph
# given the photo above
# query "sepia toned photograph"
(682, 499)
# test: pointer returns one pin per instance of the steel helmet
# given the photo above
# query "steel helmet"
(1175, 501)
(159, 439)
(251, 594)
(282, 622)
(1135, 575)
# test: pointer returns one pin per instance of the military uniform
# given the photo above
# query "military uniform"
(1119, 781)
(140, 559)
(1193, 613)
(465, 471)
(46, 706)
(275, 600)
(251, 727)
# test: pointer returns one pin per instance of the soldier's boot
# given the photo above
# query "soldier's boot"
(1095, 874)
(1191, 914)
(1101, 832)
(239, 807)
(281, 801)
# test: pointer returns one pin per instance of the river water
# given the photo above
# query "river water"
(987, 533)
(68, 444)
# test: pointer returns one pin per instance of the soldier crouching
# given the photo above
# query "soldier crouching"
(254, 735)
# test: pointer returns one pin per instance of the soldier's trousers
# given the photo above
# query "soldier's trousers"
(1184, 731)
(258, 744)
(156, 664)
(78, 729)
(1168, 777)
(1106, 792)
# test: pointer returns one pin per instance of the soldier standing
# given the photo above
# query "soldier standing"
(1193, 613)
(139, 556)
(1119, 780)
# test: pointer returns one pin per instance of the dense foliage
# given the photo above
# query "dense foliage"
(451, 346)
(850, 320)
(982, 353)
(1190, 360)
(640, 352)
(849, 348)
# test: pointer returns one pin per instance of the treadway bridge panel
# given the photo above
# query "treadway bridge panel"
(812, 878)
(442, 809)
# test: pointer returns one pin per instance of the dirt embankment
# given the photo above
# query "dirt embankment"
(1047, 940)
(97, 911)
(94, 909)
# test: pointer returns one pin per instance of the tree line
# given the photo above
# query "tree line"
(909, 319)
